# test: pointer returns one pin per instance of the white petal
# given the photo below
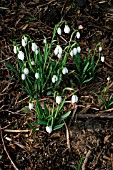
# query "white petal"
(36, 75)
(74, 99)
(102, 58)
(26, 71)
(59, 31)
(66, 29)
(34, 47)
(78, 35)
(100, 49)
(23, 76)
(71, 53)
(21, 55)
(31, 105)
(74, 51)
(49, 129)
(58, 99)
(78, 49)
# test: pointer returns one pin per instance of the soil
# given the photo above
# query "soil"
(86, 140)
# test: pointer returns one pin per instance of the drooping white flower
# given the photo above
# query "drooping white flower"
(23, 76)
(78, 35)
(71, 53)
(78, 49)
(34, 47)
(75, 51)
(26, 71)
(100, 49)
(31, 105)
(36, 75)
(15, 49)
(58, 99)
(49, 129)
(108, 78)
(58, 50)
(65, 70)
(59, 31)
(74, 99)
(21, 55)
(54, 78)
(59, 55)
(66, 29)
(24, 41)
(102, 58)
(32, 63)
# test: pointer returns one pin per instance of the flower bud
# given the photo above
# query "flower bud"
(102, 58)
(66, 29)
(26, 71)
(78, 35)
(15, 49)
(58, 99)
(59, 31)
(36, 75)
(78, 49)
(24, 43)
(74, 99)
(49, 129)
(100, 49)
(71, 53)
(34, 47)
(32, 63)
(74, 51)
(23, 76)
(31, 105)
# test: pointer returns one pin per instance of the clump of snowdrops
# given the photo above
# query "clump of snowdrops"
(41, 71)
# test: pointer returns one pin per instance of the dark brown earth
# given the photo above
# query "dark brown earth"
(86, 141)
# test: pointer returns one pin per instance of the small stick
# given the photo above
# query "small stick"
(86, 160)
(98, 115)
(6, 151)
(16, 131)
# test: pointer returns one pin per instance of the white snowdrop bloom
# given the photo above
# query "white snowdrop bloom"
(59, 55)
(74, 99)
(58, 99)
(21, 55)
(65, 70)
(31, 105)
(66, 29)
(100, 49)
(78, 49)
(23, 76)
(15, 49)
(59, 49)
(32, 63)
(108, 78)
(102, 58)
(59, 31)
(26, 39)
(71, 53)
(56, 50)
(36, 52)
(54, 78)
(24, 43)
(74, 51)
(78, 35)
(36, 75)
(26, 71)
(34, 47)
(49, 129)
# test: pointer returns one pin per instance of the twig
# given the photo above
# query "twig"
(6, 151)
(16, 131)
(98, 115)
(86, 160)
(67, 136)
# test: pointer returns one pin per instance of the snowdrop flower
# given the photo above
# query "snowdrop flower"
(78, 49)
(100, 49)
(36, 75)
(26, 71)
(54, 78)
(74, 99)
(49, 129)
(65, 70)
(74, 51)
(32, 63)
(58, 50)
(58, 99)
(78, 35)
(44, 41)
(23, 76)
(15, 49)
(71, 53)
(31, 105)
(34, 47)
(59, 55)
(66, 29)
(24, 41)
(108, 78)
(59, 31)
(102, 58)
(21, 55)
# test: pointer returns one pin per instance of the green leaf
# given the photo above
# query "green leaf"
(64, 116)
(11, 67)
(58, 126)
(41, 122)
(30, 126)
(46, 110)
(102, 99)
